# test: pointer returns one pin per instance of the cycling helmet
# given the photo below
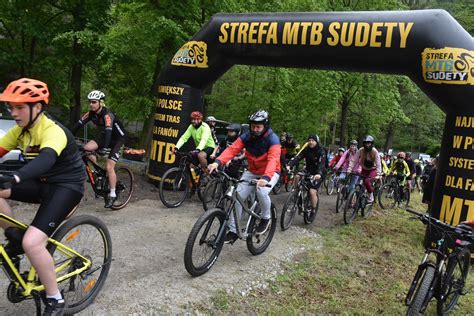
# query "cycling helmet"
(368, 139)
(96, 95)
(401, 155)
(354, 142)
(314, 137)
(260, 117)
(211, 119)
(341, 149)
(26, 90)
(408, 154)
(236, 127)
(196, 115)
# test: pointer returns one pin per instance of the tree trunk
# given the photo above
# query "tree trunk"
(389, 137)
(344, 114)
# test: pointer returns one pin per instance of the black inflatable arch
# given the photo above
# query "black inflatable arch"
(428, 46)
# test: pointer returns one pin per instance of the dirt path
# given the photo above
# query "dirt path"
(148, 274)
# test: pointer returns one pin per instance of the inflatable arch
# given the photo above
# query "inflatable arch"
(428, 46)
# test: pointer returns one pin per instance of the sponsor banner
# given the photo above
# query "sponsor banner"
(448, 65)
(191, 54)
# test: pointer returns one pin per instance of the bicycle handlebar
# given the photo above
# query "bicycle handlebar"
(251, 182)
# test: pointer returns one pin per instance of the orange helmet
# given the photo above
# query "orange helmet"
(196, 115)
(26, 90)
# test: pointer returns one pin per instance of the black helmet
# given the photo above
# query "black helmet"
(368, 139)
(354, 142)
(314, 137)
(260, 117)
(236, 127)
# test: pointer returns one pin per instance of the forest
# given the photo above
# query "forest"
(120, 46)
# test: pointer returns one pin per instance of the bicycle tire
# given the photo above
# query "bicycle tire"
(124, 188)
(206, 222)
(387, 196)
(366, 211)
(255, 245)
(174, 187)
(423, 288)
(405, 198)
(309, 216)
(289, 210)
(213, 192)
(453, 283)
(79, 233)
(330, 185)
(351, 206)
(340, 198)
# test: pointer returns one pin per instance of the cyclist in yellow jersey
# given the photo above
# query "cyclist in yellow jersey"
(400, 168)
(53, 177)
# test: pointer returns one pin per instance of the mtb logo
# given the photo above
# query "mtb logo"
(191, 54)
(448, 65)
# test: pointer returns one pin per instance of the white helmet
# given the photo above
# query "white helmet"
(96, 95)
(211, 119)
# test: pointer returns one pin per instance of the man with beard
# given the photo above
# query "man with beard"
(315, 159)
(368, 158)
(202, 136)
(262, 150)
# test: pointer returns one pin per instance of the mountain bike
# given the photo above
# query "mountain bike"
(444, 268)
(99, 180)
(285, 180)
(331, 182)
(357, 201)
(299, 202)
(181, 182)
(342, 190)
(82, 252)
(207, 236)
(394, 193)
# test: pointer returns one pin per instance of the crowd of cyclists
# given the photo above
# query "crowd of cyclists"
(54, 176)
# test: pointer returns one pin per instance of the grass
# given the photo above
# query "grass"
(362, 269)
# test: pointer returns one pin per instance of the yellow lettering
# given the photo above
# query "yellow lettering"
(304, 31)
(362, 34)
(316, 36)
(451, 213)
(242, 33)
(374, 34)
(252, 32)
(224, 36)
(232, 31)
(169, 156)
(261, 31)
(290, 33)
(390, 26)
(469, 141)
(470, 210)
(457, 141)
(404, 32)
(272, 34)
(333, 27)
(469, 185)
(347, 34)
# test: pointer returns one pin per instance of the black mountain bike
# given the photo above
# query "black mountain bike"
(298, 202)
(207, 236)
(444, 268)
(97, 177)
(357, 201)
(180, 182)
(394, 193)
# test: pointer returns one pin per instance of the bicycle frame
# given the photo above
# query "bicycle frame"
(91, 168)
(185, 164)
(30, 284)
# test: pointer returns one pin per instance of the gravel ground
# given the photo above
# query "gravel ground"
(148, 275)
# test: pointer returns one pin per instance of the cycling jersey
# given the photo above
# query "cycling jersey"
(291, 147)
(262, 153)
(110, 127)
(58, 160)
(334, 160)
(368, 161)
(315, 159)
(385, 169)
(345, 160)
(201, 135)
(400, 167)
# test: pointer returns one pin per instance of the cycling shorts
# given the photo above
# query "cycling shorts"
(56, 202)
(115, 145)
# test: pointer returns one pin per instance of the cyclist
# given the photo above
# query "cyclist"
(369, 159)
(411, 165)
(343, 163)
(315, 159)
(232, 166)
(385, 169)
(53, 177)
(109, 140)
(202, 136)
(211, 121)
(262, 150)
(337, 157)
(291, 146)
(419, 172)
(400, 168)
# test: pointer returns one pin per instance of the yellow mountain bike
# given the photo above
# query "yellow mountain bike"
(82, 251)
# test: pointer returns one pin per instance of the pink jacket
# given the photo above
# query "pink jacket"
(357, 161)
(345, 159)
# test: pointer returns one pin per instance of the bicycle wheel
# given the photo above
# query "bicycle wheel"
(351, 207)
(366, 211)
(203, 246)
(405, 198)
(124, 187)
(422, 288)
(453, 281)
(387, 196)
(331, 185)
(174, 187)
(88, 236)
(289, 210)
(257, 244)
(341, 198)
(309, 216)
(212, 193)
